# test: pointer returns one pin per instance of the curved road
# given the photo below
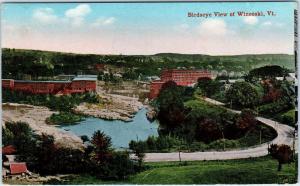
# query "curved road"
(285, 136)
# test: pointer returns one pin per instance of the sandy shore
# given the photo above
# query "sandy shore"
(113, 107)
(35, 116)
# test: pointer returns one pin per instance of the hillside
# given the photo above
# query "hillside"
(17, 62)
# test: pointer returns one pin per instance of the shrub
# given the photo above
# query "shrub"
(219, 144)
(275, 107)
(287, 117)
(118, 167)
(197, 146)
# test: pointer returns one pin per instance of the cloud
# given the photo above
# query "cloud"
(182, 27)
(104, 21)
(213, 27)
(267, 23)
(45, 16)
(250, 20)
(76, 15)
(79, 11)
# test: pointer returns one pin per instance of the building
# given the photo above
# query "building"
(18, 168)
(99, 67)
(8, 150)
(181, 77)
(78, 84)
(9, 166)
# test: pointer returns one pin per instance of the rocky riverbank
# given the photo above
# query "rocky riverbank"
(151, 114)
(36, 117)
(112, 107)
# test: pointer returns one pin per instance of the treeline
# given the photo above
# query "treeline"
(63, 103)
(16, 62)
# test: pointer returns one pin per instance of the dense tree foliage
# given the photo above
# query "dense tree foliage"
(171, 108)
(266, 72)
(20, 135)
(62, 103)
(208, 86)
(242, 94)
(246, 121)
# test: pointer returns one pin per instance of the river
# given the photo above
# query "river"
(120, 132)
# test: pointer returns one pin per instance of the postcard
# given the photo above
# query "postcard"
(149, 93)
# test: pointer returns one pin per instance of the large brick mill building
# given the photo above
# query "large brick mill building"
(77, 84)
(179, 76)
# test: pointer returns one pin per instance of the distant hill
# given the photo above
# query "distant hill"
(45, 63)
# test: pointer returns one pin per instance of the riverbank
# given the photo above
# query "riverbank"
(36, 117)
(112, 107)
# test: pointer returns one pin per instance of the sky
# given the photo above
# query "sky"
(148, 28)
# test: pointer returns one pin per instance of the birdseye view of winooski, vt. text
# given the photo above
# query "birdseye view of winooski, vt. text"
(149, 93)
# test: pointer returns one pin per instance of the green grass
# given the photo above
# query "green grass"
(248, 171)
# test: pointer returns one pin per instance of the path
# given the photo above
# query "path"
(285, 136)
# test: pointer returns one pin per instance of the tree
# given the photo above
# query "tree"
(288, 92)
(207, 131)
(170, 106)
(46, 151)
(119, 167)
(283, 153)
(139, 149)
(102, 144)
(242, 94)
(246, 120)
(266, 72)
(20, 135)
(208, 86)
(7, 137)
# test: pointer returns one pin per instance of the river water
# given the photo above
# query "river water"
(120, 132)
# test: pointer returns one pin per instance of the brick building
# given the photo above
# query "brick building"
(79, 84)
(180, 77)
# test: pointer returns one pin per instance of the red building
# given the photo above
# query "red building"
(180, 77)
(79, 84)
(18, 168)
(99, 67)
(8, 150)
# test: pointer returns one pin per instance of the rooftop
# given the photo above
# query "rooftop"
(18, 168)
(8, 150)
(69, 77)
(85, 78)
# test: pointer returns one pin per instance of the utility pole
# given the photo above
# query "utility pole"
(260, 136)
(179, 156)
(179, 152)
(223, 140)
(294, 136)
